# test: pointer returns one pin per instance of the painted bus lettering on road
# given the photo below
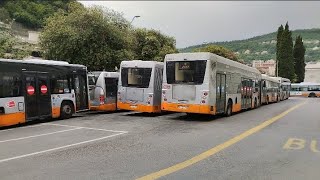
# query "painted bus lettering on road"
(296, 144)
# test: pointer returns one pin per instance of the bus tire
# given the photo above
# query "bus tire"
(229, 109)
(66, 110)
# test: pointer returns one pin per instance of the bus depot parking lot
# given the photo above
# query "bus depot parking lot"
(277, 141)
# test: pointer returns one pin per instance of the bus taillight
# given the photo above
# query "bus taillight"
(102, 99)
(149, 98)
(204, 96)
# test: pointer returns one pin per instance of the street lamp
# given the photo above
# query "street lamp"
(134, 18)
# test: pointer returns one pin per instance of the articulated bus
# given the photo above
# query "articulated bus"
(39, 89)
(205, 83)
(305, 89)
(140, 86)
(103, 87)
(270, 91)
(285, 85)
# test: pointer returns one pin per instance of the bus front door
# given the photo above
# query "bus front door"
(81, 92)
(220, 93)
(111, 89)
(37, 95)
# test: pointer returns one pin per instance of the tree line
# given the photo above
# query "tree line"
(100, 38)
(290, 58)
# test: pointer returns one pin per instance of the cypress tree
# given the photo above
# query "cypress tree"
(285, 59)
(299, 61)
(279, 35)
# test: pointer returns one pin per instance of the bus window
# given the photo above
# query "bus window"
(10, 85)
(60, 85)
(136, 77)
(314, 88)
(190, 72)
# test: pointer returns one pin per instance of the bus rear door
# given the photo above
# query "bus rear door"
(220, 93)
(37, 95)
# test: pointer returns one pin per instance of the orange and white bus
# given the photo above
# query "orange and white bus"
(305, 89)
(285, 85)
(205, 83)
(103, 87)
(38, 89)
(140, 86)
(270, 90)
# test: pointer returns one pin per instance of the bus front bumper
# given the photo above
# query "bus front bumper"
(188, 108)
(138, 107)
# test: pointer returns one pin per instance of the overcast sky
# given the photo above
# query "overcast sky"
(194, 22)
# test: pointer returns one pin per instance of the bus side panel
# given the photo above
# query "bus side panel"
(233, 82)
(57, 100)
(14, 113)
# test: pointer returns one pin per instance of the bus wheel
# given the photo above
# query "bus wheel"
(267, 100)
(66, 110)
(229, 109)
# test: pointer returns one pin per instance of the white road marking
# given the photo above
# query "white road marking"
(97, 129)
(58, 148)
(38, 135)
(21, 127)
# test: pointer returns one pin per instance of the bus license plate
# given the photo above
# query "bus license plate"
(182, 107)
(133, 106)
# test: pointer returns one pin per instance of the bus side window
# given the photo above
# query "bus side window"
(60, 85)
(10, 85)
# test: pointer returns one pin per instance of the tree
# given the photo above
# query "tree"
(31, 13)
(299, 60)
(152, 45)
(95, 37)
(285, 55)
(219, 50)
(279, 40)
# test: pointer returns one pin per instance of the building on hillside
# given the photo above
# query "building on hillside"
(312, 73)
(33, 37)
(267, 67)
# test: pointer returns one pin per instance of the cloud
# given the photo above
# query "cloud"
(195, 22)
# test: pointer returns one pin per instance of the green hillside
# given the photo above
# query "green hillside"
(264, 47)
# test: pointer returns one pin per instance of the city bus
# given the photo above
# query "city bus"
(140, 86)
(38, 89)
(103, 87)
(205, 83)
(270, 90)
(305, 89)
(285, 85)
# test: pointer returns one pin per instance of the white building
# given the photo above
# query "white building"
(312, 73)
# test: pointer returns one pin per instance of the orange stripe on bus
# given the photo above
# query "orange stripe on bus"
(139, 107)
(12, 119)
(55, 112)
(188, 108)
(104, 107)
(236, 107)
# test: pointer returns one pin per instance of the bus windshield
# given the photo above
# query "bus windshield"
(185, 72)
(136, 77)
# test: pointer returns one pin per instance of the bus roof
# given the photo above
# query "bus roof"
(269, 78)
(40, 61)
(105, 73)
(308, 84)
(140, 63)
(281, 79)
(209, 56)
